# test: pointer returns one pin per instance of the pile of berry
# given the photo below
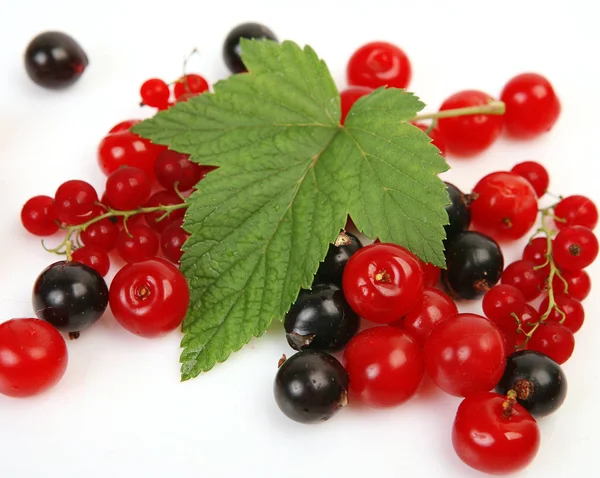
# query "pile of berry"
(532, 307)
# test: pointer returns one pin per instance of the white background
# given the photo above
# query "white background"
(120, 410)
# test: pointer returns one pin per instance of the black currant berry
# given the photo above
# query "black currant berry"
(459, 212)
(70, 295)
(55, 60)
(539, 381)
(474, 263)
(232, 53)
(321, 319)
(311, 386)
(331, 269)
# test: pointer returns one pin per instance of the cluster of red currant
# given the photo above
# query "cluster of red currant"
(514, 349)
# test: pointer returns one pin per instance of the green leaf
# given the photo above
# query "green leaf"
(289, 174)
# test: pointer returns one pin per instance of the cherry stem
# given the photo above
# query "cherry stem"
(492, 108)
(66, 246)
(509, 403)
(554, 272)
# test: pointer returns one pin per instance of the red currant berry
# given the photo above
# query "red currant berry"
(102, 233)
(433, 307)
(74, 200)
(500, 302)
(128, 188)
(124, 148)
(504, 206)
(185, 97)
(431, 273)
(349, 96)
(572, 308)
(576, 284)
(157, 220)
(471, 134)
(33, 357)
(515, 339)
(378, 64)
(155, 93)
(94, 257)
(149, 298)
(494, 435)
(139, 244)
(175, 169)
(465, 354)
(576, 211)
(172, 240)
(554, 340)
(575, 248)
(384, 365)
(123, 126)
(532, 106)
(39, 217)
(382, 282)
(535, 174)
(190, 83)
(536, 251)
(437, 138)
(523, 275)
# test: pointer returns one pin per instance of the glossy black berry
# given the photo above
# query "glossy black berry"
(321, 319)
(539, 381)
(459, 212)
(232, 53)
(55, 60)
(311, 386)
(331, 269)
(474, 263)
(69, 295)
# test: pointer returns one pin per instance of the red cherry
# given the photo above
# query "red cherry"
(532, 106)
(493, 439)
(384, 365)
(382, 282)
(471, 134)
(378, 64)
(465, 354)
(432, 308)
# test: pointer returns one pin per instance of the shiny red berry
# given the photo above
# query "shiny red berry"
(190, 83)
(128, 188)
(469, 134)
(378, 64)
(384, 365)
(149, 298)
(576, 211)
(137, 243)
(159, 220)
(554, 340)
(500, 302)
(536, 251)
(492, 437)
(431, 274)
(155, 93)
(175, 169)
(94, 257)
(39, 217)
(575, 248)
(433, 307)
(74, 201)
(382, 282)
(172, 240)
(532, 107)
(33, 357)
(574, 313)
(576, 284)
(504, 206)
(535, 173)
(102, 233)
(437, 138)
(523, 275)
(124, 125)
(465, 354)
